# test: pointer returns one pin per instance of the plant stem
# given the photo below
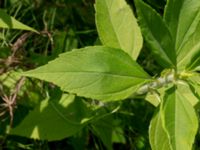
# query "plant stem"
(158, 83)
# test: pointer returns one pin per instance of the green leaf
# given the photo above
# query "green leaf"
(109, 131)
(103, 128)
(188, 92)
(54, 120)
(194, 82)
(7, 21)
(96, 72)
(179, 119)
(117, 26)
(175, 124)
(182, 18)
(156, 34)
(194, 78)
(153, 98)
(157, 135)
(195, 65)
(9, 79)
(188, 56)
(118, 136)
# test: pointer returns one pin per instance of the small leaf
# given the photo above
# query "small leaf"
(96, 72)
(117, 26)
(179, 119)
(7, 21)
(194, 65)
(118, 136)
(195, 78)
(182, 18)
(156, 34)
(157, 135)
(188, 92)
(194, 82)
(54, 120)
(103, 128)
(188, 56)
(153, 98)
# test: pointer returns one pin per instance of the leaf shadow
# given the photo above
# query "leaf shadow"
(54, 120)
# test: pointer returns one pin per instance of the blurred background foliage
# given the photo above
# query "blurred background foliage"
(64, 25)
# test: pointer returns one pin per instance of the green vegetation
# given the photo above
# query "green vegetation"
(103, 74)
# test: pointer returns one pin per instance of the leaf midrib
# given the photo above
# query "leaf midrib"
(114, 92)
(88, 72)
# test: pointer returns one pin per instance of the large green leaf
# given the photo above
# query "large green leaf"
(7, 21)
(175, 124)
(179, 119)
(96, 72)
(117, 26)
(156, 34)
(54, 120)
(182, 18)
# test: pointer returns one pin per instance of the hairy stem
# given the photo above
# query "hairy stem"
(158, 83)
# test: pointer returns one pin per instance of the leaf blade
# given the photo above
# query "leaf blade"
(180, 120)
(189, 53)
(156, 34)
(157, 135)
(182, 18)
(7, 21)
(117, 26)
(96, 72)
(40, 123)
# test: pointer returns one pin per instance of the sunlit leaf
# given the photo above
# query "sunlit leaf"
(179, 119)
(117, 26)
(175, 125)
(188, 56)
(157, 135)
(96, 72)
(188, 92)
